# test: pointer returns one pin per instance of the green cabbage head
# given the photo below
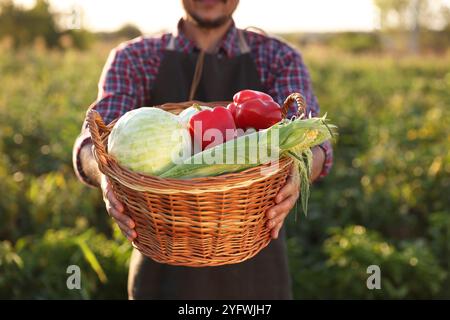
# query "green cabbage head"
(149, 140)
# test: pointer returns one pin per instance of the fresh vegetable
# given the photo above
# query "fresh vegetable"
(254, 149)
(232, 108)
(149, 140)
(254, 109)
(246, 95)
(209, 128)
(258, 114)
(288, 138)
(187, 113)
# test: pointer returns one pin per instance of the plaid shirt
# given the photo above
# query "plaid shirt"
(132, 68)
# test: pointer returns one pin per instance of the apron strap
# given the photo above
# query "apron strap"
(198, 67)
(243, 46)
(197, 75)
(171, 44)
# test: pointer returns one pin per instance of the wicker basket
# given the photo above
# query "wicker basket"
(199, 222)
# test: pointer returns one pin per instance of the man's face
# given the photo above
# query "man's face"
(210, 13)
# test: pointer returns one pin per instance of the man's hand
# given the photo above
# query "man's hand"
(288, 195)
(285, 201)
(113, 206)
(116, 210)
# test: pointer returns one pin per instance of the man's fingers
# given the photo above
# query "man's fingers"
(276, 231)
(283, 207)
(113, 200)
(127, 236)
(128, 232)
(116, 210)
(121, 217)
(272, 223)
(286, 191)
(108, 194)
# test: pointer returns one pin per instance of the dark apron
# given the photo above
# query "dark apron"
(266, 276)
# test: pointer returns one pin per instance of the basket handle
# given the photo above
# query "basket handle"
(294, 97)
(97, 128)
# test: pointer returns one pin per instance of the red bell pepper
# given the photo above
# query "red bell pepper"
(256, 110)
(209, 128)
(232, 108)
(246, 95)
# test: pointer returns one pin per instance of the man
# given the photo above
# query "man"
(208, 59)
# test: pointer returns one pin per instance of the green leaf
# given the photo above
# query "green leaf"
(303, 160)
(92, 260)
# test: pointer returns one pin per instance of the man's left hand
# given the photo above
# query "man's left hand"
(288, 195)
(285, 201)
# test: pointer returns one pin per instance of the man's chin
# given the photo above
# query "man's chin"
(211, 23)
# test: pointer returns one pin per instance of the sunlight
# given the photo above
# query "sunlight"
(286, 16)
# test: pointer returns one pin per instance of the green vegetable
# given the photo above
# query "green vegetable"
(254, 149)
(292, 138)
(187, 113)
(148, 140)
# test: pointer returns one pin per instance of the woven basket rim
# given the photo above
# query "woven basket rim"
(193, 185)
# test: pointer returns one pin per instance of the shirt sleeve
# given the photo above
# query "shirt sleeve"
(120, 90)
(291, 75)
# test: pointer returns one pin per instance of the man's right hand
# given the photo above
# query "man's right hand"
(116, 210)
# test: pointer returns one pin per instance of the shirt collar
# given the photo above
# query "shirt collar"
(229, 45)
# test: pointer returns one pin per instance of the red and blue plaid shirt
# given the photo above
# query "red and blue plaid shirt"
(132, 68)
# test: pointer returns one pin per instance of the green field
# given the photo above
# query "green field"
(385, 203)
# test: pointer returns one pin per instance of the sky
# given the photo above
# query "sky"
(271, 15)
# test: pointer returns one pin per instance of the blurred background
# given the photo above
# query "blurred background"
(380, 69)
